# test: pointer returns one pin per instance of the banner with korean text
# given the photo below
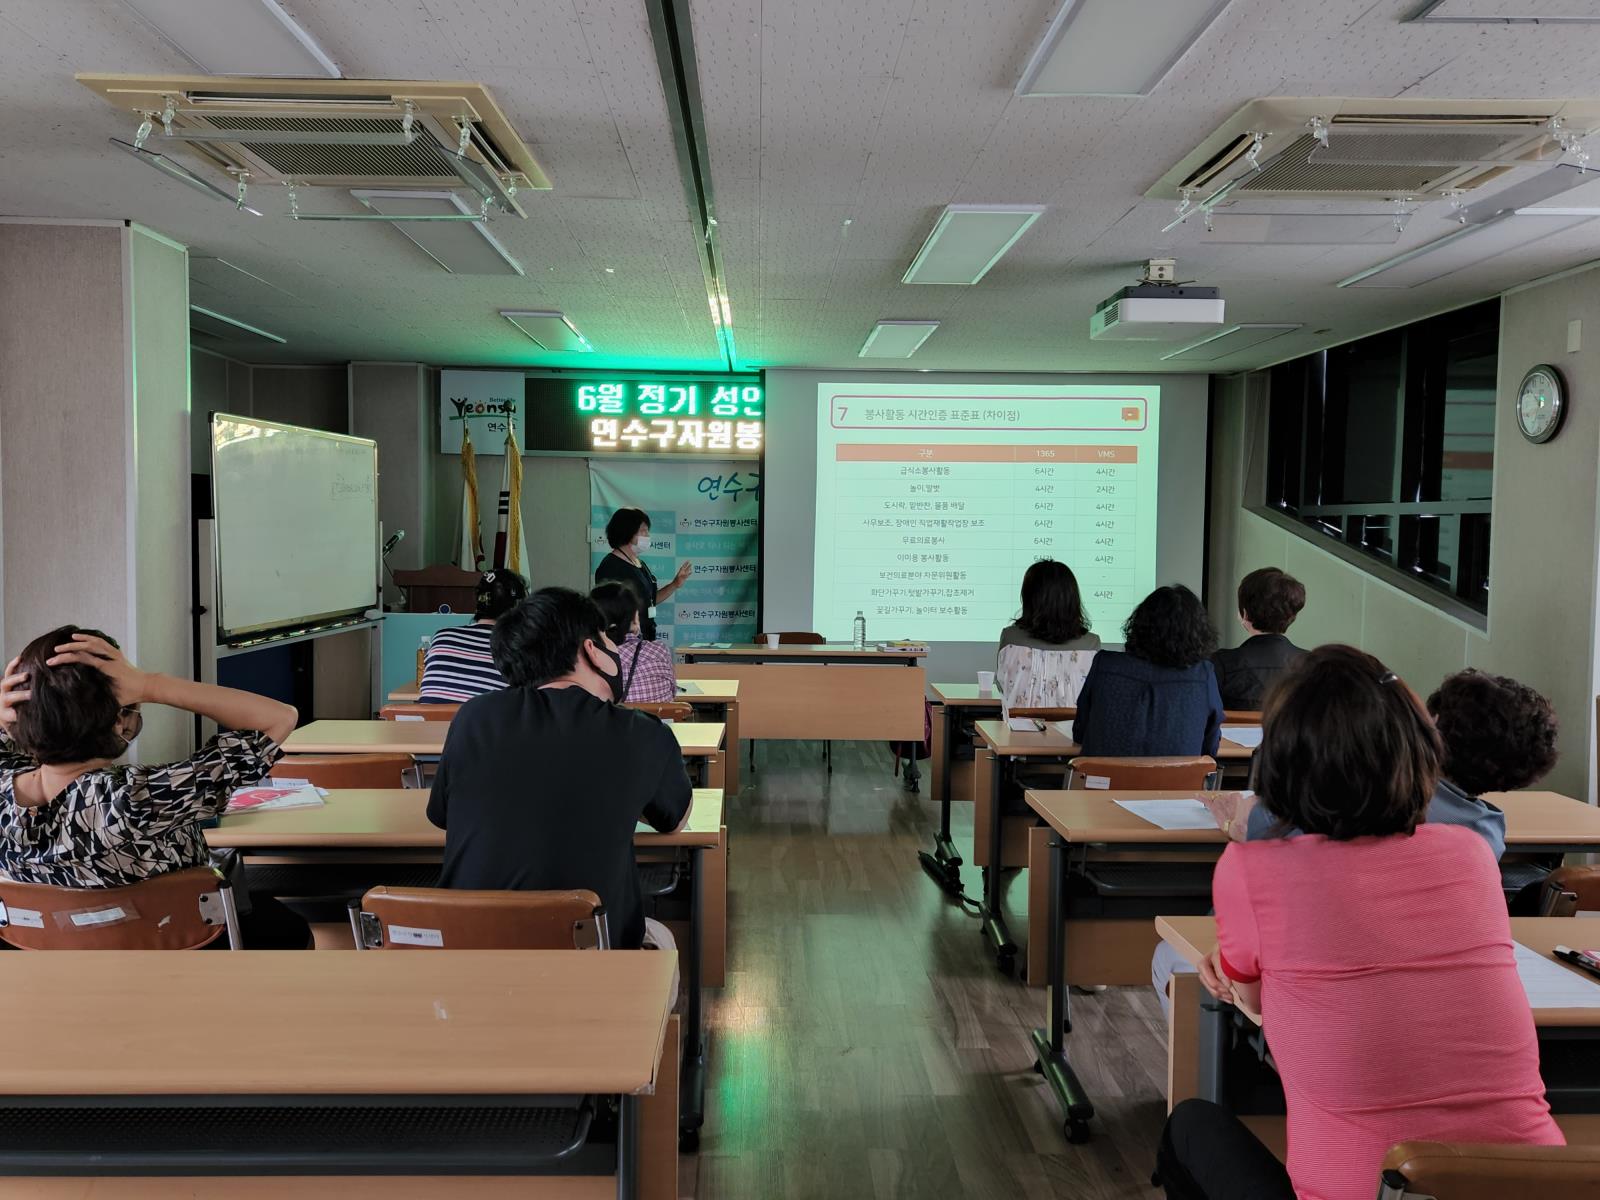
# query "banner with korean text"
(702, 511)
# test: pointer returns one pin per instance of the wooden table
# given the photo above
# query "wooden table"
(374, 827)
(701, 743)
(343, 1032)
(994, 846)
(951, 701)
(409, 694)
(846, 695)
(1091, 824)
(1195, 1048)
(717, 700)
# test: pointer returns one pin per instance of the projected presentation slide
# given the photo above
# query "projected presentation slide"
(933, 500)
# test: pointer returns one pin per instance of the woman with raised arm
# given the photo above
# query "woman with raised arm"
(72, 816)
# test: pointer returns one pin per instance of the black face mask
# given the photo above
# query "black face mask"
(619, 685)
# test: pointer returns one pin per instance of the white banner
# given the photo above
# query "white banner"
(484, 401)
(701, 511)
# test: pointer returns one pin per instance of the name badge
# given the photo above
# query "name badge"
(652, 613)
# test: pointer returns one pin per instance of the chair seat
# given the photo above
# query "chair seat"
(295, 1138)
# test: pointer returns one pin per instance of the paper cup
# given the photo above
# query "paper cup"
(772, 641)
(985, 682)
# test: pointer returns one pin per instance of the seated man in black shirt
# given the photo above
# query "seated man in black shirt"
(1269, 601)
(540, 785)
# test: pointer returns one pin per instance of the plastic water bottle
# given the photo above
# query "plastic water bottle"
(861, 631)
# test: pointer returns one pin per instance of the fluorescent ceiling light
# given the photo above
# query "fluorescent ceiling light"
(1229, 341)
(440, 224)
(1114, 47)
(237, 37)
(227, 328)
(1509, 12)
(896, 339)
(1467, 246)
(174, 169)
(551, 330)
(1525, 194)
(967, 240)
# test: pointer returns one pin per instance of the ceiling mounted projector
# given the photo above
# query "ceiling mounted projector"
(1157, 309)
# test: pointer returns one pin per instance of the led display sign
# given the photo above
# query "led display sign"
(596, 413)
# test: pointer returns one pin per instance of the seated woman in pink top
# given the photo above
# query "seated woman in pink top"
(1376, 949)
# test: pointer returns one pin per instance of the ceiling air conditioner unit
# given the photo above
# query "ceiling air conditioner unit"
(337, 133)
(1385, 149)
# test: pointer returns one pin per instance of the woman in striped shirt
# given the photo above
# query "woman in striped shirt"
(459, 664)
(647, 672)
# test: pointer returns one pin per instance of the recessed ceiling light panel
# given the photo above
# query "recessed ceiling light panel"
(237, 37)
(1114, 47)
(967, 240)
(552, 330)
(896, 339)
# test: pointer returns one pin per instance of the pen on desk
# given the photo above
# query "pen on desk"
(1578, 959)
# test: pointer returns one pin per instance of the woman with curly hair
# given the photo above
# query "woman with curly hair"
(1159, 696)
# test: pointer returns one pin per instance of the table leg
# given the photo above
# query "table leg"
(1050, 1044)
(628, 1148)
(1213, 1034)
(692, 1080)
(730, 719)
(943, 863)
(994, 921)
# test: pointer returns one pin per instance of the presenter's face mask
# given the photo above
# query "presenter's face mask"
(617, 684)
(641, 543)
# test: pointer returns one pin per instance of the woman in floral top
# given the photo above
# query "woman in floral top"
(72, 816)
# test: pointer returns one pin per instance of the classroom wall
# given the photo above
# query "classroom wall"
(1543, 599)
(94, 400)
(387, 402)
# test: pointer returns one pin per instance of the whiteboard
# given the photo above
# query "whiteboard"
(296, 525)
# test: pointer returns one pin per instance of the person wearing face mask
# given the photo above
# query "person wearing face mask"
(540, 784)
(72, 816)
(628, 531)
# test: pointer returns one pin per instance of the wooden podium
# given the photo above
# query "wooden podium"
(439, 587)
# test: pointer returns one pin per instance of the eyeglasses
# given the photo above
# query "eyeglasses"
(134, 719)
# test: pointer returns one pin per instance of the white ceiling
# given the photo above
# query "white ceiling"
(817, 113)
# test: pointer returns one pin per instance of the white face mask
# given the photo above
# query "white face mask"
(641, 543)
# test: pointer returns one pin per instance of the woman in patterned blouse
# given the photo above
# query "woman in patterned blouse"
(646, 665)
(72, 816)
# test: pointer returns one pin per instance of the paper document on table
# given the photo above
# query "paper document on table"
(1550, 985)
(1170, 814)
(1024, 725)
(267, 798)
(1248, 736)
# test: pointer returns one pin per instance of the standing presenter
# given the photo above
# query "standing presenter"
(628, 532)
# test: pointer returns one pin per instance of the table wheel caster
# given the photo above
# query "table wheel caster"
(1038, 1067)
(688, 1141)
(1077, 1131)
(1005, 962)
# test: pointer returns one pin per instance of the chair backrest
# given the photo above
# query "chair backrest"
(1241, 716)
(667, 710)
(796, 638)
(1140, 774)
(1453, 1171)
(419, 712)
(181, 910)
(1031, 677)
(345, 770)
(450, 919)
(1581, 884)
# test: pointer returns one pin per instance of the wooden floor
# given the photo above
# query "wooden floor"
(865, 1046)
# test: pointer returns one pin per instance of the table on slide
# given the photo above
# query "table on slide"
(817, 693)
(382, 1048)
(1567, 1017)
(361, 831)
(1088, 825)
(1000, 748)
(701, 743)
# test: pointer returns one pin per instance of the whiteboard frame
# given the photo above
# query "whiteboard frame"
(299, 626)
